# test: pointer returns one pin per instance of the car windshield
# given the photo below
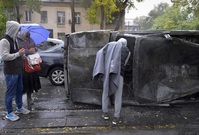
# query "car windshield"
(49, 44)
(54, 48)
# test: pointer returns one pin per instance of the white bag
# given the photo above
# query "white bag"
(34, 59)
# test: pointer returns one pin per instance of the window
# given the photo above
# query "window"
(51, 33)
(28, 16)
(60, 17)
(44, 17)
(77, 17)
(61, 35)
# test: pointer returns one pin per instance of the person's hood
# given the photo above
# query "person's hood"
(123, 41)
(12, 28)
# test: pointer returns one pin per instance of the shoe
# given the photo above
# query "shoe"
(117, 120)
(105, 116)
(23, 111)
(12, 117)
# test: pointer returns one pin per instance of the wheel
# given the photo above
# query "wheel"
(56, 76)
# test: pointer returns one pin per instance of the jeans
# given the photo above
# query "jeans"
(14, 86)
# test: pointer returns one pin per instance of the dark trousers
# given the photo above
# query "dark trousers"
(14, 89)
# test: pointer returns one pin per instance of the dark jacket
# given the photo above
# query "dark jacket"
(14, 66)
(9, 49)
(124, 55)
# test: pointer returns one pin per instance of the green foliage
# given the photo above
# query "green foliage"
(146, 22)
(94, 11)
(158, 10)
(107, 11)
(10, 6)
(176, 19)
(192, 6)
(2, 24)
(34, 5)
(129, 3)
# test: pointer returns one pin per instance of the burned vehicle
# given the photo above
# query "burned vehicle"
(162, 69)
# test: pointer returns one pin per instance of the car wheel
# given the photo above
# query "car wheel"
(56, 76)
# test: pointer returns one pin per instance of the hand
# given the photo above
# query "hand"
(21, 51)
(32, 50)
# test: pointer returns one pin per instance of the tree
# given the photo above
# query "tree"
(73, 16)
(176, 19)
(2, 24)
(122, 5)
(12, 6)
(146, 22)
(108, 10)
(158, 10)
(102, 8)
(192, 6)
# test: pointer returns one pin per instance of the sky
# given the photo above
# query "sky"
(143, 8)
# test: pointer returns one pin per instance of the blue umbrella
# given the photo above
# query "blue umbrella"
(37, 32)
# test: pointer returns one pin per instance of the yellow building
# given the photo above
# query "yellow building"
(56, 17)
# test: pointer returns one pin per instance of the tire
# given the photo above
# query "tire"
(56, 76)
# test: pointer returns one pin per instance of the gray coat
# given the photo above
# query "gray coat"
(108, 66)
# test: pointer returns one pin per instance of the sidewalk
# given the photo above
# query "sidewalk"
(53, 114)
(90, 121)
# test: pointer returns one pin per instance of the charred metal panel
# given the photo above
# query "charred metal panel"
(164, 69)
(159, 70)
(82, 50)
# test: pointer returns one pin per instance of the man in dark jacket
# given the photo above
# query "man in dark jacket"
(110, 65)
(13, 65)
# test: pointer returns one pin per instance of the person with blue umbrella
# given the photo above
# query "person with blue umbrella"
(31, 81)
(37, 32)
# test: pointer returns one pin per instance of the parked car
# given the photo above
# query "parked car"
(52, 55)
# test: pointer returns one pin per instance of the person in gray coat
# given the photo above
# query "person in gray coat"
(109, 66)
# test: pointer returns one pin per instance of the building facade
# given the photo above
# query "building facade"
(56, 16)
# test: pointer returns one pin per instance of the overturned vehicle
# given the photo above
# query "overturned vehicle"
(163, 67)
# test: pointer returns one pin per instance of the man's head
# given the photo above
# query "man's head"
(123, 41)
(12, 28)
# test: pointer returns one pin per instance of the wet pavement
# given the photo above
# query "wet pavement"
(54, 114)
